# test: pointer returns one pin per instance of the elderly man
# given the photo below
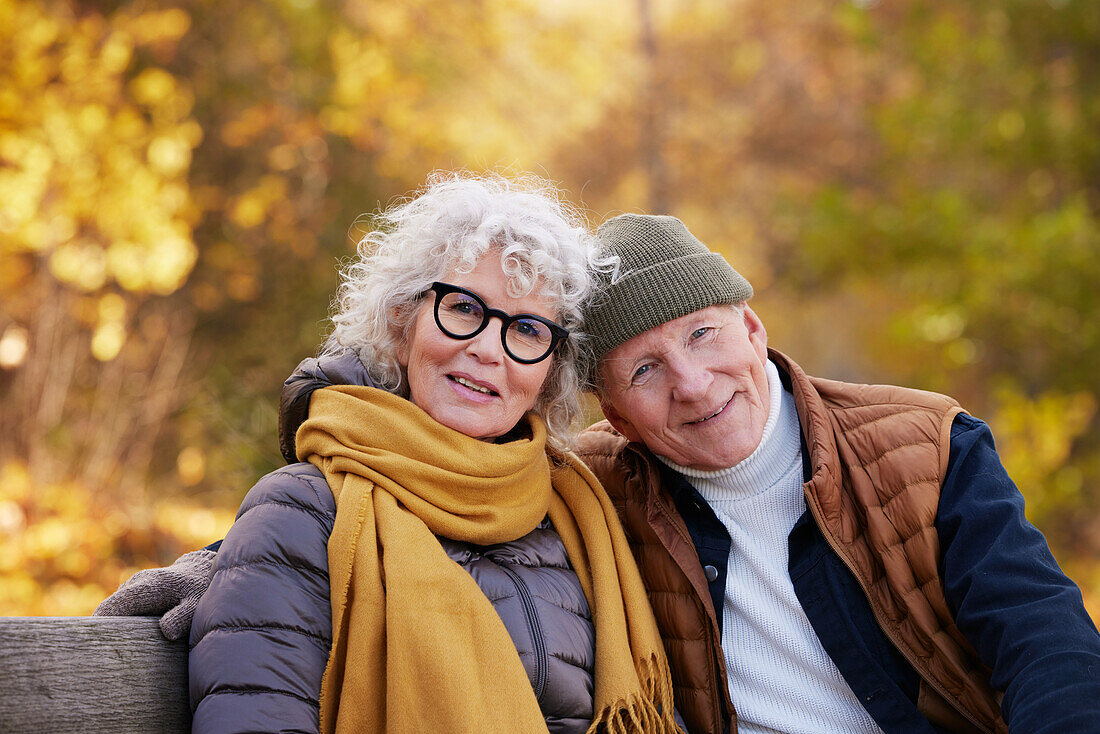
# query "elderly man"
(821, 556)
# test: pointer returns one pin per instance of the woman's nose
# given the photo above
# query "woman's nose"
(487, 346)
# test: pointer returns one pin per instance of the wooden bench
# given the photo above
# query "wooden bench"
(91, 674)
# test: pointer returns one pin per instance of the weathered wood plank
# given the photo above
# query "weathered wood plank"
(91, 674)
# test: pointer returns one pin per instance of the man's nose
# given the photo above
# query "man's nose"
(690, 380)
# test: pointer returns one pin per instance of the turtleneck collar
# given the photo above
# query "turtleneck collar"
(780, 445)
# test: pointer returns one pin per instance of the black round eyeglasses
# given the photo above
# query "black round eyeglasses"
(527, 338)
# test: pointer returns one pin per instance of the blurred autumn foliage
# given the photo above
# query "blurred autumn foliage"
(913, 186)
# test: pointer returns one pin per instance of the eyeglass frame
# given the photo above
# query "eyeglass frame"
(558, 333)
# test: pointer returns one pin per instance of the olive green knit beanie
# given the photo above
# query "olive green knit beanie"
(665, 273)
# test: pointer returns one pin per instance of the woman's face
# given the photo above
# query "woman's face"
(472, 385)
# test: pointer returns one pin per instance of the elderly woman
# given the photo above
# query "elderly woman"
(437, 562)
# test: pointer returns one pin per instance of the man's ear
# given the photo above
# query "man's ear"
(618, 421)
(758, 335)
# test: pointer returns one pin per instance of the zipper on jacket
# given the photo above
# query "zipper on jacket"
(879, 617)
(537, 641)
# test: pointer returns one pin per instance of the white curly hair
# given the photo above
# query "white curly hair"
(452, 222)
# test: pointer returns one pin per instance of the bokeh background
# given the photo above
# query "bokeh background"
(913, 186)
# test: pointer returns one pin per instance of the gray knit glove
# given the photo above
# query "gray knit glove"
(172, 593)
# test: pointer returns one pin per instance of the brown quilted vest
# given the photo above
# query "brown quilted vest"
(878, 455)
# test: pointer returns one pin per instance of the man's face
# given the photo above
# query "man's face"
(694, 390)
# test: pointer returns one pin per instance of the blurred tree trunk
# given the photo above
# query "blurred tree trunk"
(73, 417)
(653, 118)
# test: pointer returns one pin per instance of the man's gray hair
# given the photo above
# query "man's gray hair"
(454, 221)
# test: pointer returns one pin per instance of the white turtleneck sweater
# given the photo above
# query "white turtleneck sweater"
(780, 677)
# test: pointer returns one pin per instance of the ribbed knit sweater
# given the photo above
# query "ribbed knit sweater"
(780, 677)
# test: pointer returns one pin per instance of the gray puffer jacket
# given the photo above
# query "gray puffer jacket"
(261, 634)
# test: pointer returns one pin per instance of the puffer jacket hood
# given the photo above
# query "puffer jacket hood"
(342, 368)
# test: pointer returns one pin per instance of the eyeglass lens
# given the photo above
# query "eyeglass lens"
(462, 315)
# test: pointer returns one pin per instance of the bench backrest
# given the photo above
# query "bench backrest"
(91, 674)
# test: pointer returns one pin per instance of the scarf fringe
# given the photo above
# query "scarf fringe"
(650, 713)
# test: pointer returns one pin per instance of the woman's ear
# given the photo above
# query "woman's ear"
(402, 336)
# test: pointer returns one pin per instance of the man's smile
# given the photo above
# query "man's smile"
(708, 417)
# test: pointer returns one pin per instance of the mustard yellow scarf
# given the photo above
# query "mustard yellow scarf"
(416, 645)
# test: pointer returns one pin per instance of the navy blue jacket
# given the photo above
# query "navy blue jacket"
(1025, 618)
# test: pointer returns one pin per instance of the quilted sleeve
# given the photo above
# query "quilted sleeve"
(261, 634)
